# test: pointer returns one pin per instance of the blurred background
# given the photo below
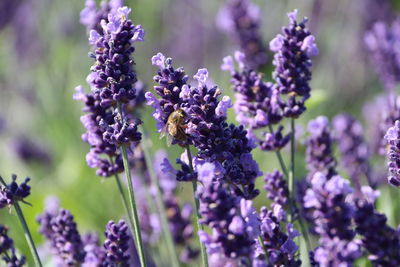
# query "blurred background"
(43, 56)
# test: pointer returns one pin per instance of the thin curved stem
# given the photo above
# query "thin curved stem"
(279, 155)
(198, 215)
(160, 203)
(124, 202)
(27, 234)
(132, 202)
(290, 178)
(292, 167)
(264, 248)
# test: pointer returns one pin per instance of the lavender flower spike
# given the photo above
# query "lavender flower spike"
(332, 216)
(241, 18)
(7, 250)
(380, 240)
(293, 51)
(10, 193)
(382, 41)
(319, 155)
(280, 245)
(91, 17)
(353, 148)
(233, 230)
(61, 230)
(117, 244)
(393, 138)
(276, 187)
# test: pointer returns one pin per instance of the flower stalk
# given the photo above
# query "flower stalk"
(159, 201)
(197, 205)
(27, 234)
(132, 202)
(24, 225)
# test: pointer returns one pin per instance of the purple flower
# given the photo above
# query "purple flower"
(280, 245)
(319, 156)
(393, 139)
(7, 250)
(276, 187)
(115, 91)
(275, 140)
(353, 149)
(332, 217)
(223, 106)
(242, 20)
(201, 77)
(117, 244)
(336, 252)
(158, 60)
(232, 234)
(61, 231)
(29, 151)
(91, 17)
(170, 82)
(95, 254)
(293, 49)
(114, 71)
(382, 42)
(380, 240)
(9, 193)
(258, 103)
(202, 117)
(103, 154)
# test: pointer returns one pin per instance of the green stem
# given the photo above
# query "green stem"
(28, 235)
(292, 203)
(160, 202)
(198, 215)
(264, 248)
(292, 168)
(132, 202)
(279, 156)
(124, 203)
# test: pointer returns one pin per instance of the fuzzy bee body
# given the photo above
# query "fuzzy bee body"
(175, 127)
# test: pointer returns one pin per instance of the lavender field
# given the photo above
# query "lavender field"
(173, 133)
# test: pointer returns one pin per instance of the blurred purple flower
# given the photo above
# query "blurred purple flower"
(117, 244)
(380, 240)
(61, 231)
(241, 19)
(276, 187)
(319, 154)
(7, 250)
(393, 139)
(382, 42)
(353, 148)
(29, 151)
(91, 16)
(95, 254)
(332, 217)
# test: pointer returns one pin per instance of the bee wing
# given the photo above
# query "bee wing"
(169, 140)
(164, 133)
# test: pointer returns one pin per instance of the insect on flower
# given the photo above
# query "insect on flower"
(175, 126)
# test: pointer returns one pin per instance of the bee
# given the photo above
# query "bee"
(175, 127)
